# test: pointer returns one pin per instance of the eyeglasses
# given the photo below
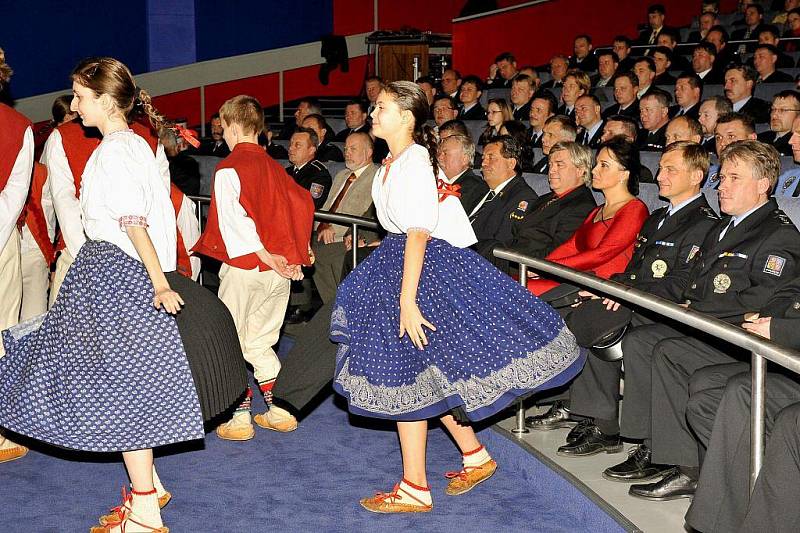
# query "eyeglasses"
(781, 110)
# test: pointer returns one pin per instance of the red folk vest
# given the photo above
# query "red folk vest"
(79, 143)
(283, 211)
(13, 125)
(184, 264)
(33, 214)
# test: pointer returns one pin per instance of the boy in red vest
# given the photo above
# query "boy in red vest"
(259, 226)
(38, 226)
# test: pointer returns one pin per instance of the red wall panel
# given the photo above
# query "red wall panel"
(264, 88)
(537, 32)
(183, 104)
(304, 81)
(426, 15)
(352, 16)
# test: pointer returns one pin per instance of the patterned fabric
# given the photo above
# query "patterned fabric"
(103, 370)
(493, 343)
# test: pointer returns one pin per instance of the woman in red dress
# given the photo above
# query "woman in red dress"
(603, 244)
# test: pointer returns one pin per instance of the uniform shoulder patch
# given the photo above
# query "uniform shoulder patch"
(319, 166)
(774, 265)
(316, 190)
(708, 212)
(781, 217)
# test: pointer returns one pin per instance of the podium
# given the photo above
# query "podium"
(409, 54)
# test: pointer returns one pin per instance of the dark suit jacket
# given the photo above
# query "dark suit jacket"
(476, 113)
(328, 152)
(552, 84)
(710, 145)
(782, 144)
(778, 77)
(551, 221)
(184, 172)
(562, 110)
(665, 78)
(757, 109)
(493, 222)
(595, 78)
(342, 135)
(680, 63)
(499, 83)
(741, 34)
(523, 112)
(277, 151)
(473, 188)
(210, 147)
(589, 63)
(653, 141)
(626, 64)
(692, 112)
(715, 77)
(632, 111)
(541, 166)
(594, 140)
(530, 142)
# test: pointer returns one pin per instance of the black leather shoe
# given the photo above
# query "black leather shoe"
(579, 430)
(556, 417)
(636, 467)
(593, 441)
(298, 316)
(673, 486)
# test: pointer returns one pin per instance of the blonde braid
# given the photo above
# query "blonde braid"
(157, 120)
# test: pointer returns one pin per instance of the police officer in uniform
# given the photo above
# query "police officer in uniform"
(720, 400)
(666, 244)
(305, 169)
(738, 268)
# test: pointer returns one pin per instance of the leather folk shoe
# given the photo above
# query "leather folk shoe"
(593, 441)
(236, 430)
(465, 481)
(276, 419)
(9, 454)
(397, 501)
(116, 515)
(555, 417)
(638, 466)
(673, 486)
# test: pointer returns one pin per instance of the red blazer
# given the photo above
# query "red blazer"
(603, 248)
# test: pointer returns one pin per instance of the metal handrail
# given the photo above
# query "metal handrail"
(321, 216)
(760, 348)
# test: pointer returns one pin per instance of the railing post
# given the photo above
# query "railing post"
(520, 429)
(354, 248)
(759, 369)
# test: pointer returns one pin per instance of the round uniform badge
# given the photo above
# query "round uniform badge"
(659, 268)
(722, 282)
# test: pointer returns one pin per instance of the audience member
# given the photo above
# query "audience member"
(626, 85)
(718, 37)
(730, 128)
(764, 61)
(532, 74)
(559, 65)
(444, 108)
(372, 88)
(662, 59)
(355, 118)
(557, 128)
(792, 29)
(688, 90)
(788, 181)
(325, 150)
(583, 58)
(451, 83)
(216, 146)
(711, 109)
(184, 170)
(305, 169)
(753, 17)
(785, 109)
(576, 84)
(704, 55)
(645, 70)
(607, 64)
(740, 81)
(670, 38)
(522, 90)
(655, 24)
(265, 139)
(627, 128)
(654, 114)
(543, 106)
(497, 112)
(707, 21)
(426, 83)
(788, 5)
(683, 128)
(306, 106)
(457, 127)
(502, 71)
(455, 155)
(470, 94)
(622, 47)
(769, 34)
(587, 117)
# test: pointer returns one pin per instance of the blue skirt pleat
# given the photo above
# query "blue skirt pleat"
(494, 340)
(103, 370)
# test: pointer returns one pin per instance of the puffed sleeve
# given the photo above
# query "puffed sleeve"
(413, 201)
(127, 194)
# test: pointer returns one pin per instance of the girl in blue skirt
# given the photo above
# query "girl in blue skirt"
(426, 327)
(105, 369)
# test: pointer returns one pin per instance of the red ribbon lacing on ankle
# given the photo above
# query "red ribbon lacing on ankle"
(392, 497)
(461, 475)
(121, 511)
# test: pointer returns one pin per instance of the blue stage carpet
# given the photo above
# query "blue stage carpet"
(308, 480)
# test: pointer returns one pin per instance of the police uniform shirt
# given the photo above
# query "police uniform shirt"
(665, 246)
(712, 178)
(314, 177)
(787, 183)
(741, 263)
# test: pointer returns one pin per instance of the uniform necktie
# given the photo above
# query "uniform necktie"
(724, 231)
(663, 220)
(339, 197)
(489, 197)
(680, 112)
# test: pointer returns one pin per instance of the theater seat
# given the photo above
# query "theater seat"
(790, 206)
(207, 165)
(537, 182)
(648, 193)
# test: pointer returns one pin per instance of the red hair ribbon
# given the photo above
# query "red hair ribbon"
(445, 190)
(190, 136)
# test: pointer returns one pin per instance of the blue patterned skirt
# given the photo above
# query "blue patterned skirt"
(103, 370)
(494, 341)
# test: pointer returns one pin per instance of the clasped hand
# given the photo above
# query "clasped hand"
(411, 322)
(279, 264)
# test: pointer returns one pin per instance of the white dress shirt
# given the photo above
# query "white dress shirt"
(15, 192)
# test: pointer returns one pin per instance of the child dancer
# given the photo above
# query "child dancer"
(259, 226)
(425, 326)
(108, 359)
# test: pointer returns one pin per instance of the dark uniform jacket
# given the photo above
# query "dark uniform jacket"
(692, 112)
(342, 135)
(665, 78)
(662, 257)
(523, 113)
(184, 172)
(740, 273)
(551, 221)
(329, 152)
(493, 222)
(588, 64)
(653, 141)
(632, 111)
(782, 144)
(473, 188)
(210, 147)
(476, 112)
(777, 77)
(757, 109)
(314, 177)
(784, 308)
(541, 166)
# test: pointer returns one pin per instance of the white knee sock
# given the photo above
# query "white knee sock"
(423, 494)
(476, 457)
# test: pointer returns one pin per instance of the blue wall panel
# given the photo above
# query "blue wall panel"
(172, 37)
(45, 39)
(243, 26)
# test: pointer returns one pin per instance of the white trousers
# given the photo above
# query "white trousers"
(35, 280)
(10, 294)
(63, 263)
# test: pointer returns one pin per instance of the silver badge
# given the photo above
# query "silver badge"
(722, 282)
